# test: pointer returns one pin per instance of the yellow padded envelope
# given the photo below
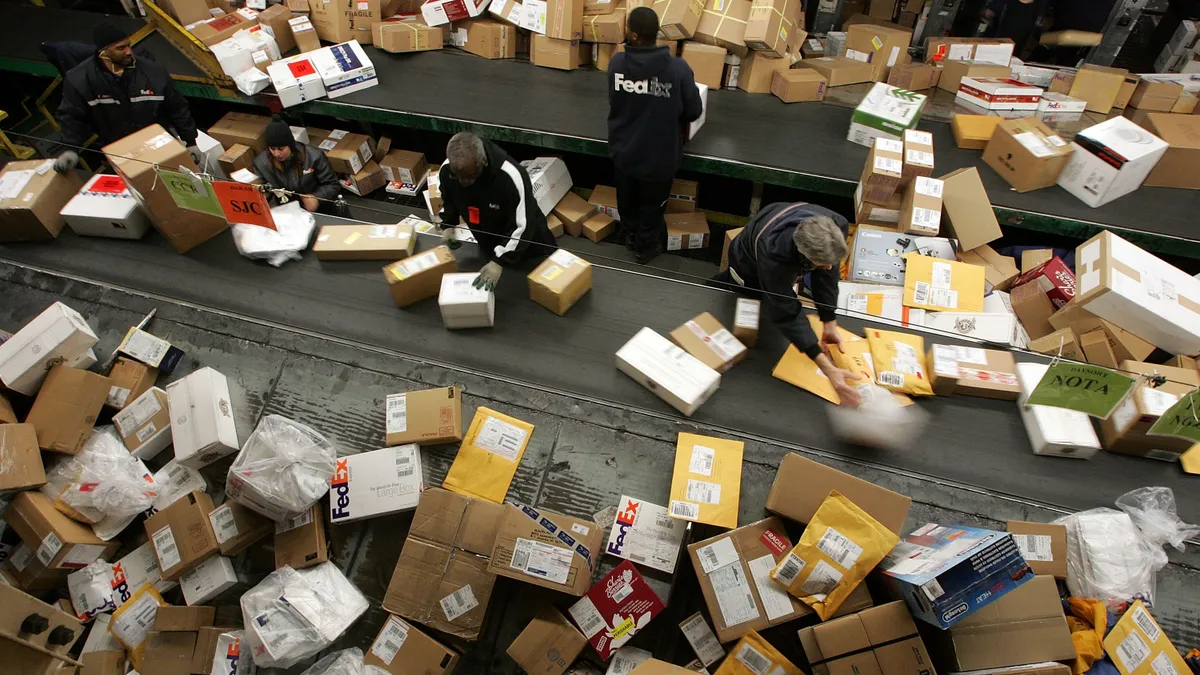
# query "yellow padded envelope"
(707, 483)
(798, 370)
(489, 456)
(753, 655)
(941, 285)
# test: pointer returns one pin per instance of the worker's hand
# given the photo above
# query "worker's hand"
(66, 162)
(197, 157)
(309, 203)
(488, 277)
(450, 238)
(842, 384)
(831, 337)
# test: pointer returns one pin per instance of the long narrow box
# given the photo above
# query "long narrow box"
(675, 376)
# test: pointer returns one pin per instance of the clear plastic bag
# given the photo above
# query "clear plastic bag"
(102, 482)
(282, 470)
(1152, 509)
(293, 231)
(90, 589)
(345, 662)
(880, 421)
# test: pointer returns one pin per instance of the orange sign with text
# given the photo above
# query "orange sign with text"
(244, 204)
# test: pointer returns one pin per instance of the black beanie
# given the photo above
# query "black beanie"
(107, 34)
(279, 134)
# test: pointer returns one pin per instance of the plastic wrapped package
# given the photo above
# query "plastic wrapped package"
(111, 526)
(293, 231)
(883, 420)
(345, 662)
(1152, 510)
(282, 470)
(292, 615)
(90, 589)
(175, 480)
(102, 481)
(229, 658)
(252, 81)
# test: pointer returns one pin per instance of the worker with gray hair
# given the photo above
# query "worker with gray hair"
(771, 255)
(491, 193)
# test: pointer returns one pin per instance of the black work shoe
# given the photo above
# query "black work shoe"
(644, 257)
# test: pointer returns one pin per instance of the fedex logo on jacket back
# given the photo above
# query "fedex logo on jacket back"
(648, 87)
(339, 485)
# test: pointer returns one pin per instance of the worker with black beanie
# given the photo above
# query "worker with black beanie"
(302, 170)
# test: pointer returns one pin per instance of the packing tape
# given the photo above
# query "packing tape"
(559, 533)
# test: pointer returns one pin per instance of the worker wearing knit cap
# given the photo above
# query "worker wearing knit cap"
(302, 171)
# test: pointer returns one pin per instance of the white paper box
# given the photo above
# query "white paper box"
(135, 427)
(233, 55)
(1097, 181)
(999, 328)
(212, 150)
(646, 534)
(296, 81)
(533, 17)
(1054, 102)
(212, 578)
(675, 376)
(202, 425)
(550, 180)
(441, 12)
(855, 300)
(105, 208)
(993, 93)
(1057, 432)
(694, 128)
(515, 12)
(375, 483)
(463, 305)
(344, 69)
(139, 567)
(59, 334)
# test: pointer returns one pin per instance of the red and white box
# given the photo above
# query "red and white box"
(442, 12)
(1054, 277)
(995, 93)
(615, 609)
(105, 208)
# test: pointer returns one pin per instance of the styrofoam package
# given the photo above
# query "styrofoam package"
(102, 481)
(1108, 560)
(283, 469)
(880, 421)
(344, 662)
(90, 589)
(175, 480)
(1057, 432)
(293, 233)
(104, 207)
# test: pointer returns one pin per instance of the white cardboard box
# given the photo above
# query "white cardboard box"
(646, 534)
(884, 302)
(1058, 432)
(202, 425)
(1055, 102)
(212, 150)
(233, 55)
(344, 68)
(675, 376)
(105, 208)
(550, 180)
(137, 427)
(994, 93)
(1132, 153)
(57, 335)
(999, 327)
(441, 12)
(139, 566)
(296, 81)
(463, 305)
(375, 483)
(212, 578)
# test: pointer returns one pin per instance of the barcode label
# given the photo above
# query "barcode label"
(1162, 665)
(405, 466)
(587, 617)
(747, 314)
(921, 293)
(1035, 547)
(888, 165)
(702, 639)
(146, 432)
(919, 157)
(501, 438)
(703, 491)
(821, 580)
(717, 555)
(1143, 620)
(390, 640)
(838, 547)
(117, 397)
(944, 298)
(756, 661)
(20, 557)
(1133, 651)
(520, 559)
(702, 460)
(397, 413)
(299, 521)
(926, 220)
(889, 378)
(223, 523)
(791, 568)
(458, 603)
(49, 548)
(685, 510)
(164, 546)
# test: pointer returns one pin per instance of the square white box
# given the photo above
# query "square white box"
(463, 305)
(57, 335)
(202, 424)
(106, 208)
(1111, 160)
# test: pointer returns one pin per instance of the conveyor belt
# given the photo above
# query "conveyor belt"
(971, 442)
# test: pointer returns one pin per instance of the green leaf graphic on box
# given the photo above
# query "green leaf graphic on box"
(1079, 386)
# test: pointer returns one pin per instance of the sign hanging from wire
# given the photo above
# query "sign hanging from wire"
(244, 204)
(1079, 386)
(191, 192)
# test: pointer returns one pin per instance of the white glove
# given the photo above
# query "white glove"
(488, 277)
(197, 156)
(66, 162)
(450, 237)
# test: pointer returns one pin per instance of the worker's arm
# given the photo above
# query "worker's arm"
(784, 309)
(693, 107)
(516, 208)
(74, 117)
(449, 214)
(178, 112)
(327, 182)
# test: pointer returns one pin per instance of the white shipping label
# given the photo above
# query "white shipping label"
(327, 144)
(145, 347)
(49, 548)
(893, 56)
(587, 617)
(146, 432)
(889, 165)
(223, 523)
(734, 597)
(365, 151)
(355, 163)
(1133, 651)
(918, 136)
(674, 242)
(685, 510)
(390, 640)
(458, 603)
(889, 145)
(501, 438)
(137, 619)
(941, 297)
(338, 134)
(164, 546)
(581, 530)
(930, 187)
(702, 460)
(921, 158)
(703, 491)
(960, 52)
(1162, 665)
(858, 56)
(943, 274)
(1033, 143)
(138, 413)
(21, 557)
(756, 661)
(564, 257)
(397, 413)
(695, 240)
(775, 600)
(1144, 621)
(840, 548)
(747, 314)
(790, 568)
(117, 397)
(821, 580)
(717, 555)
(542, 560)
(383, 232)
(700, 636)
(13, 182)
(926, 220)
(1035, 547)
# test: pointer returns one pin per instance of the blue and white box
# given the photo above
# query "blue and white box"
(344, 69)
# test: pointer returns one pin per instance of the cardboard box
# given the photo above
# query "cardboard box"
(968, 215)
(56, 541)
(1027, 154)
(550, 179)
(796, 85)
(914, 76)
(706, 339)
(644, 533)
(745, 322)
(942, 285)
(572, 210)
(305, 35)
(682, 197)
(419, 277)
(244, 129)
(998, 93)
(1097, 350)
(345, 68)
(918, 154)
(1126, 430)
(1125, 345)
(1053, 277)
(1137, 645)
(145, 424)
(365, 181)
(488, 458)
(687, 231)
(1033, 307)
(881, 46)
(883, 169)
(1031, 258)
(106, 662)
(364, 242)
(1098, 87)
(206, 649)
(42, 652)
(838, 70)
(1056, 432)
(347, 153)
(1043, 545)
(401, 35)
(187, 11)
(558, 551)
(1177, 168)
(58, 335)
(885, 112)
(1155, 94)
(730, 235)
(375, 483)
(104, 207)
(548, 645)
(877, 255)
(236, 157)
(605, 28)
(1093, 179)
(921, 208)
(943, 555)
(237, 527)
(772, 28)
(560, 281)
(172, 618)
(208, 580)
(604, 198)
(879, 640)
(225, 26)
(884, 215)
(66, 408)
(723, 25)
(487, 38)
(619, 604)
(801, 485)
(23, 469)
(707, 61)
(404, 166)
(463, 305)
(425, 417)
(203, 428)
(970, 371)
(686, 383)
(300, 542)
(973, 132)
(999, 271)
(554, 53)
(1060, 103)
(32, 196)
(757, 71)
(598, 226)
(400, 647)
(182, 535)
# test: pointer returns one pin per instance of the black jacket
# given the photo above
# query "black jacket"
(652, 97)
(776, 265)
(499, 207)
(96, 101)
(315, 178)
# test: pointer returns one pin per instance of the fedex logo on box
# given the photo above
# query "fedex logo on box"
(227, 655)
(339, 489)
(120, 584)
(625, 520)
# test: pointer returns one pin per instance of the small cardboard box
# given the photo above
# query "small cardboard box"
(425, 417)
(22, 468)
(973, 132)
(999, 271)
(58, 335)
(555, 225)
(236, 128)
(237, 156)
(986, 373)
(620, 593)
(723, 25)
(918, 154)
(365, 242)
(1098, 86)
(730, 235)
(400, 35)
(1027, 154)
(878, 640)
(305, 35)
(953, 73)
(707, 480)
(757, 71)
(548, 645)
(745, 321)
(56, 541)
(942, 285)
(348, 153)
(300, 542)
(598, 226)
(555, 53)
(1031, 258)
(682, 197)
(801, 485)
(1056, 432)
(66, 408)
(921, 207)
(1043, 545)
(375, 483)
(915, 76)
(1092, 178)
(403, 166)
(420, 276)
(145, 424)
(687, 231)
(798, 84)
(707, 61)
(1153, 94)
(706, 339)
(1033, 307)
(882, 46)
(237, 527)
(968, 215)
(686, 383)
(560, 281)
(401, 648)
(558, 552)
(202, 428)
(365, 181)
(838, 71)
(884, 168)
(772, 29)
(208, 580)
(172, 618)
(604, 198)
(1177, 168)
(182, 535)
(1138, 646)
(489, 456)
(572, 210)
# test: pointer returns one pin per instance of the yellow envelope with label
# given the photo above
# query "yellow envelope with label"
(798, 370)
(899, 360)
(128, 624)
(856, 358)
(941, 285)
(840, 546)
(489, 456)
(753, 655)
(707, 483)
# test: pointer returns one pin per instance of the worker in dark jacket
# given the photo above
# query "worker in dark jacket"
(113, 95)
(488, 189)
(298, 168)
(652, 99)
(781, 244)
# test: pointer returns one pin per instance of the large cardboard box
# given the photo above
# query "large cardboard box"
(104, 207)
(882, 640)
(772, 28)
(564, 20)
(915, 76)
(687, 231)
(1098, 86)
(182, 535)
(487, 38)
(677, 377)
(757, 71)
(59, 335)
(1056, 432)
(723, 25)
(1091, 176)
(967, 212)
(707, 61)
(56, 541)
(22, 468)
(554, 53)
(706, 339)
(375, 483)
(954, 71)
(839, 70)
(798, 84)
(1126, 430)
(560, 281)
(66, 408)
(801, 485)
(241, 128)
(678, 19)
(425, 417)
(546, 549)
(401, 648)
(403, 166)
(237, 527)
(419, 277)
(1139, 646)
(406, 34)
(203, 428)
(1044, 546)
(32, 195)
(331, 20)
(364, 242)
(1178, 166)
(548, 645)
(882, 46)
(1027, 154)
(986, 373)
(300, 542)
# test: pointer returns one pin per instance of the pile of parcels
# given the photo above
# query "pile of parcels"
(146, 559)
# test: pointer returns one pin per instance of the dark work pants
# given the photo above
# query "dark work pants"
(642, 205)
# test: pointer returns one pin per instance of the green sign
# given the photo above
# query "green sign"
(1078, 386)
(1181, 419)
(191, 192)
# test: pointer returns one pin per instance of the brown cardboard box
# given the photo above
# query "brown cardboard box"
(33, 214)
(883, 47)
(1062, 343)
(723, 25)
(145, 429)
(420, 276)
(999, 271)
(367, 180)
(237, 156)
(238, 528)
(973, 132)
(66, 407)
(331, 20)
(305, 34)
(1024, 626)
(884, 215)
(802, 484)
(883, 170)
(1153, 95)
(772, 29)
(1027, 154)
(1125, 345)
(555, 225)
(949, 373)
(548, 645)
(364, 242)
(604, 198)
(348, 153)
(730, 235)
(303, 543)
(171, 618)
(879, 640)
(564, 20)
(838, 70)
(1033, 257)
(447, 549)
(431, 417)
(757, 72)
(276, 18)
(706, 339)
(918, 154)
(707, 62)
(224, 27)
(682, 197)
(404, 166)
(1033, 308)
(554, 53)
(1043, 545)
(915, 76)
(605, 28)
(560, 281)
(1186, 104)
(206, 647)
(404, 35)
(35, 520)
(921, 207)
(1126, 430)
(182, 535)
(1181, 361)
(22, 467)
(416, 652)
(107, 662)
(598, 226)
(954, 71)
(187, 12)
(519, 524)
(798, 84)
(34, 577)
(1098, 86)
(1126, 92)
(7, 415)
(168, 653)
(572, 210)
(746, 320)
(491, 39)
(592, 7)
(967, 212)
(687, 231)
(241, 128)
(1180, 166)
(1097, 350)
(677, 19)
(40, 652)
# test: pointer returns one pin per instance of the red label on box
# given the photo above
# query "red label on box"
(1055, 278)
(776, 541)
(615, 609)
(227, 21)
(302, 68)
(108, 184)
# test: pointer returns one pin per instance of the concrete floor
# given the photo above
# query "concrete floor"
(582, 457)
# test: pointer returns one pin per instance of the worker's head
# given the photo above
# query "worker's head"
(643, 27)
(279, 140)
(113, 44)
(820, 240)
(467, 158)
